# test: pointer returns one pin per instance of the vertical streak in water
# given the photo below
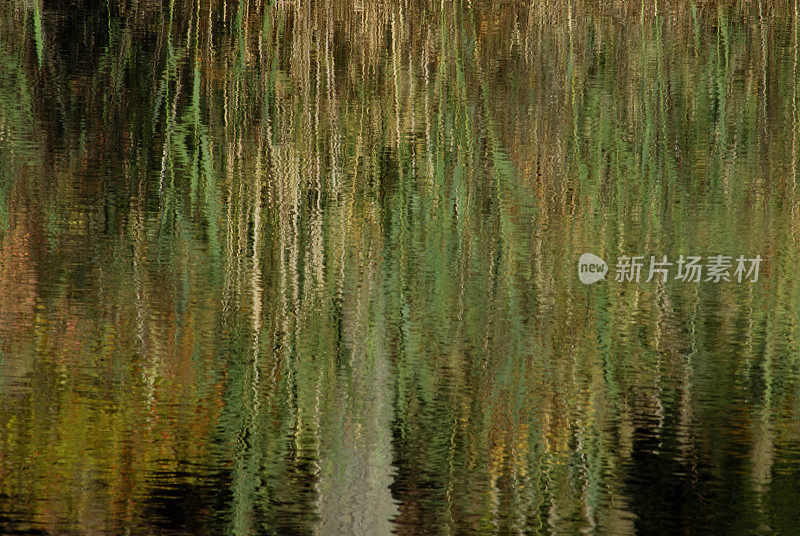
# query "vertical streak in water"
(763, 443)
(335, 134)
(763, 35)
(230, 257)
(142, 328)
(428, 140)
(316, 249)
(395, 59)
(249, 462)
(37, 30)
(170, 71)
(794, 207)
(686, 417)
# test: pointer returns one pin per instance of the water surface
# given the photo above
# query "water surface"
(311, 267)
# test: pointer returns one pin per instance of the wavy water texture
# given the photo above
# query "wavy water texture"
(309, 267)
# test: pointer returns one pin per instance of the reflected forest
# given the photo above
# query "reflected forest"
(311, 267)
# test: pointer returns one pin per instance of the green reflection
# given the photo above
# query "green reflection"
(310, 268)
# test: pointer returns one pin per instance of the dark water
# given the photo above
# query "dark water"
(312, 267)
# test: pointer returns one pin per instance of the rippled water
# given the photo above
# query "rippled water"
(312, 267)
